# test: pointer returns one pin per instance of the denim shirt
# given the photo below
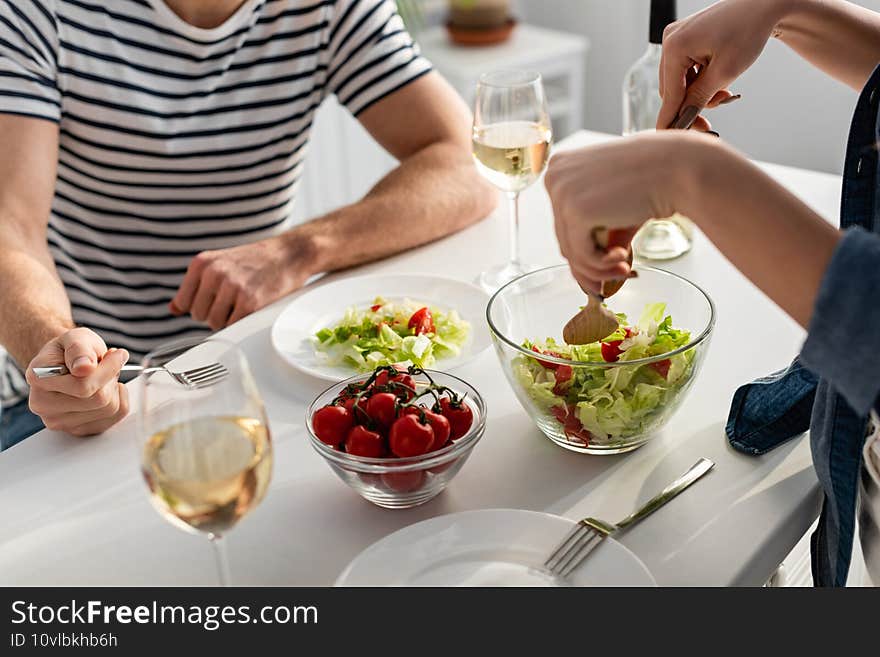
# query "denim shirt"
(834, 383)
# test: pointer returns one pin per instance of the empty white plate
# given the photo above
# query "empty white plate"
(494, 547)
(325, 306)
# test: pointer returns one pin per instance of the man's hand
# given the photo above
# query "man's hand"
(221, 287)
(90, 399)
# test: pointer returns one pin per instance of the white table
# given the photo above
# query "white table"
(76, 512)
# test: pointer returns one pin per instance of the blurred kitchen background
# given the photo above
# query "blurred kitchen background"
(790, 113)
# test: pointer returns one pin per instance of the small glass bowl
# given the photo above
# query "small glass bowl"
(401, 483)
(537, 306)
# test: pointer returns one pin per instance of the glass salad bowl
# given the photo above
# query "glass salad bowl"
(612, 396)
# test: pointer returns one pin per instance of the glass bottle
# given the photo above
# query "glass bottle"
(659, 239)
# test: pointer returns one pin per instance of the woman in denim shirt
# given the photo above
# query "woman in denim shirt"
(825, 279)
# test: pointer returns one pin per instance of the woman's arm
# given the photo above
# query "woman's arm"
(840, 38)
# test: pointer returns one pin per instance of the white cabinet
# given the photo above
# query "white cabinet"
(559, 57)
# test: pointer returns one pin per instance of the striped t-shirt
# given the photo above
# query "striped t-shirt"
(176, 139)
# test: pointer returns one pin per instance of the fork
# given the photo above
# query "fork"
(198, 377)
(590, 532)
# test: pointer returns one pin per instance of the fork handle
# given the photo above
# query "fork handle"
(699, 469)
(61, 370)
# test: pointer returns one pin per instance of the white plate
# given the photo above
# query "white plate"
(325, 305)
(495, 547)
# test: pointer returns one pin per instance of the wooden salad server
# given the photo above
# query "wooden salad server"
(595, 321)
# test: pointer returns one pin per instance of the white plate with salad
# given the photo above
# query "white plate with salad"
(357, 324)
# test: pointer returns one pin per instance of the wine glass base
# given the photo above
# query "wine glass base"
(495, 278)
(661, 240)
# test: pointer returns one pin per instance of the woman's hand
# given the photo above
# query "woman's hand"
(722, 41)
(619, 184)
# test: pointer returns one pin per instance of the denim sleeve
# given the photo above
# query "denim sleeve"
(843, 344)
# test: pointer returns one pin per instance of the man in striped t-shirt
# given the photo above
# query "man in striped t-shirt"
(150, 152)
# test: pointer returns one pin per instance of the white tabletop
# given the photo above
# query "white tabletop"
(76, 512)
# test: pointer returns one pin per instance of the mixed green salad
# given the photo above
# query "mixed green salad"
(392, 333)
(604, 405)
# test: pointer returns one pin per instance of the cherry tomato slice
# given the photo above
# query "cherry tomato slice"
(460, 417)
(662, 367)
(409, 437)
(376, 307)
(332, 424)
(611, 351)
(545, 363)
(422, 321)
(564, 375)
(363, 442)
(571, 425)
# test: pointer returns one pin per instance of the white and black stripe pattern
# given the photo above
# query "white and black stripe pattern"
(175, 139)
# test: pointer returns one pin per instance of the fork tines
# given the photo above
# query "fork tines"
(204, 376)
(582, 540)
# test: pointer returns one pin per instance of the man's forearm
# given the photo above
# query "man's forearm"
(769, 234)
(432, 194)
(838, 37)
(35, 307)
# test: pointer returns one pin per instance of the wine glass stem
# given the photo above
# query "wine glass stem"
(222, 559)
(513, 242)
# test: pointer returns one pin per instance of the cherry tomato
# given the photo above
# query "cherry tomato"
(442, 429)
(662, 367)
(382, 408)
(422, 322)
(363, 442)
(409, 437)
(460, 417)
(332, 424)
(404, 482)
(443, 467)
(404, 389)
(376, 307)
(360, 415)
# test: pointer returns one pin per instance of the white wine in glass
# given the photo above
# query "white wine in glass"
(206, 453)
(511, 145)
(207, 473)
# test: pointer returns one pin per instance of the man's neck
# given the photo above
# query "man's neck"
(206, 14)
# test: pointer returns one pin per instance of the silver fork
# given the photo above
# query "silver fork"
(590, 532)
(198, 377)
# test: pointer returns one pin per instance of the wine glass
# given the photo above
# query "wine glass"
(511, 137)
(206, 453)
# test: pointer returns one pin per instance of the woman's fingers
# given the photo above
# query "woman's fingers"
(675, 69)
